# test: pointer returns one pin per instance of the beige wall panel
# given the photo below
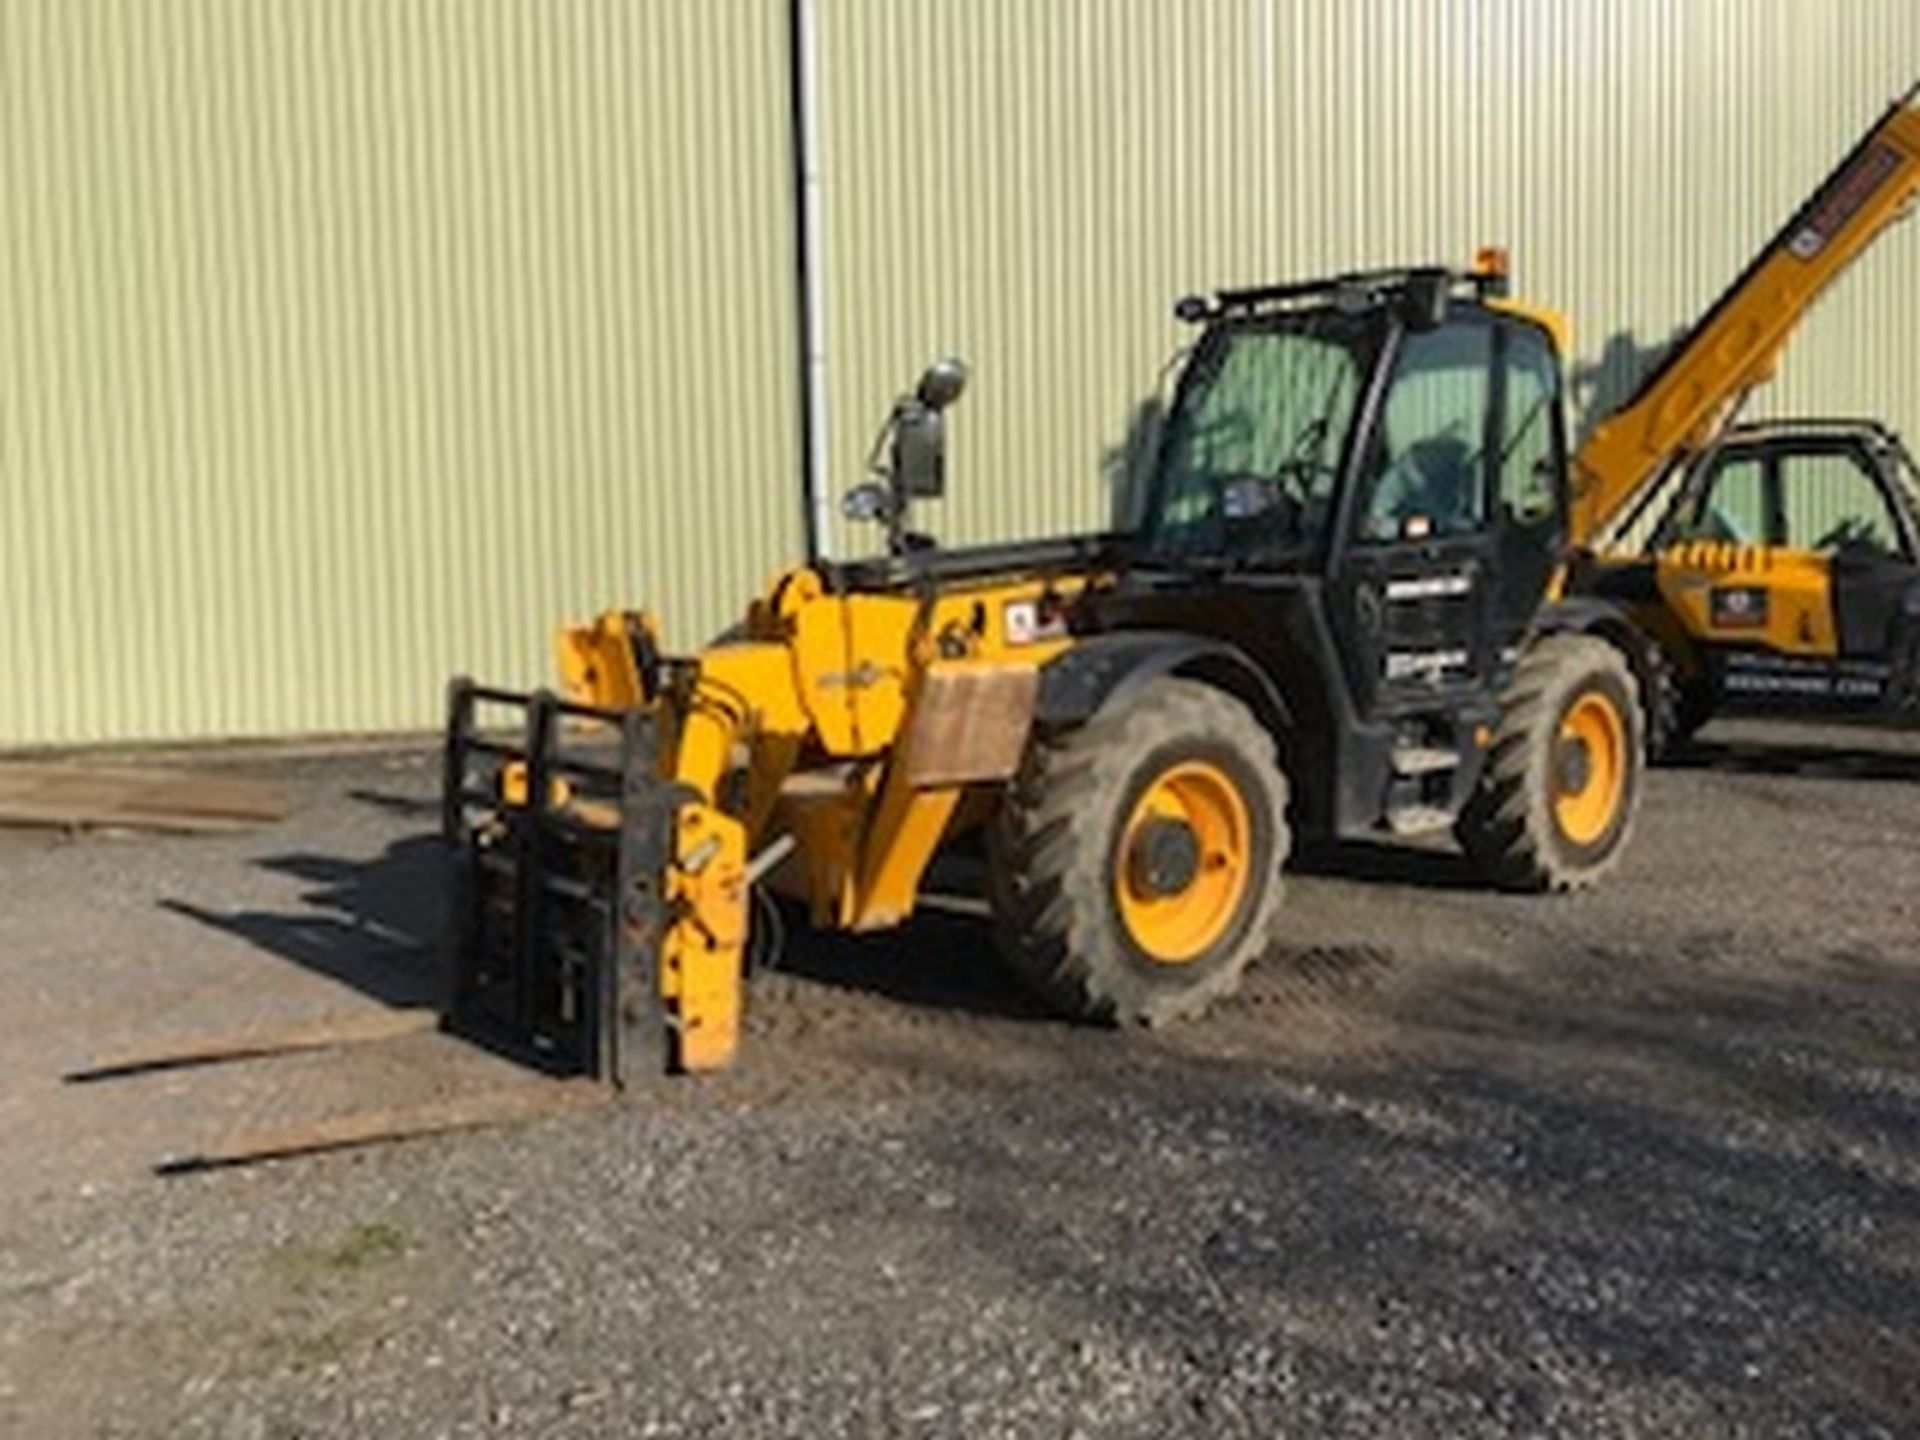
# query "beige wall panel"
(346, 344)
(1032, 184)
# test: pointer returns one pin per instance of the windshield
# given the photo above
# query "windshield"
(1253, 450)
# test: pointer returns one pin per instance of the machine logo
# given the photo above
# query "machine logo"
(1738, 607)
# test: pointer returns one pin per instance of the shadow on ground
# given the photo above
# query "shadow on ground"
(373, 925)
(941, 960)
(376, 925)
(1380, 862)
(1582, 1182)
(1761, 756)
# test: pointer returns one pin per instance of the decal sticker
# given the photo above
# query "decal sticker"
(1843, 200)
(1027, 622)
(1738, 607)
(1761, 675)
(1748, 674)
(1431, 587)
(1424, 664)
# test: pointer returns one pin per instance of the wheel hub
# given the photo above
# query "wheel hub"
(1573, 765)
(1590, 767)
(1163, 858)
(1184, 863)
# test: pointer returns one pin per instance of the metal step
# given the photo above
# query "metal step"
(1413, 760)
(1418, 819)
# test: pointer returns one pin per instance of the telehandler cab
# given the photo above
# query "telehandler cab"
(1337, 616)
(1787, 562)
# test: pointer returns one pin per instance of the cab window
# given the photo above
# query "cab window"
(1254, 447)
(1427, 475)
(1732, 508)
(1528, 463)
(1529, 459)
(1830, 502)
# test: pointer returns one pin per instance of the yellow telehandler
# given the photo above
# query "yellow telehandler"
(1371, 593)
(1338, 616)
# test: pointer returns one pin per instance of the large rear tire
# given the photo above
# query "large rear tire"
(1684, 706)
(1556, 803)
(1135, 862)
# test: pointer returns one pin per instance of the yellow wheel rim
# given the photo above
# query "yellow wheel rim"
(1183, 863)
(1589, 768)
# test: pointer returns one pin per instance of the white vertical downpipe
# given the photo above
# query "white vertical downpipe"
(811, 266)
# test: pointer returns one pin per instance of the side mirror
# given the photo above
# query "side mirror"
(942, 383)
(919, 459)
(918, 462)
(914, 440)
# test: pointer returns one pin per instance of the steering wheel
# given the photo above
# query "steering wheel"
(1264, 504)
(1304, 476)
(1850, 534)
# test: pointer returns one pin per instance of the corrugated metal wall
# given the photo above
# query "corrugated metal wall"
(346, 344)
(1033, 184)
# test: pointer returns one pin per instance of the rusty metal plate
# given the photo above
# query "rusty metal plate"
(970, 723)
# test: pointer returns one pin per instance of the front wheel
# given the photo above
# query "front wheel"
(1135, 861)
(1556, 801)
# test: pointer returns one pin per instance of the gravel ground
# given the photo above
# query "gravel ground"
(1640, 1163)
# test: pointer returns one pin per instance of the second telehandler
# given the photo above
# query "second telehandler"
(1776, 567)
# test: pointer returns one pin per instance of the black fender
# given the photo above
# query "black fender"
(1104, 670)
(1610, 621)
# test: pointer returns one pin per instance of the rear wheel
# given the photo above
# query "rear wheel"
(1135, 863)
(1556, 801)
(1685, 705)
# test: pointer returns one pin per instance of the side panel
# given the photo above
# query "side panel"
(1819, 615)
(1415, 618)
(1755, 595)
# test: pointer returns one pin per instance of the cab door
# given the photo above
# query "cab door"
(1835, 505)
(1794, 568)
(1411, 582)
(1763, 613)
